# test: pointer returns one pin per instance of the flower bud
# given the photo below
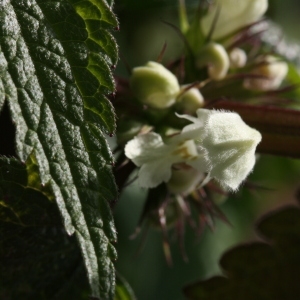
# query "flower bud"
(154, 85)
(216, 58)
(272, 72)
(190, 100)
(184, 180)
(233, 15)
(238, 58)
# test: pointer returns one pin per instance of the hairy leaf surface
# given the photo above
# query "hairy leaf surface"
(55, 61)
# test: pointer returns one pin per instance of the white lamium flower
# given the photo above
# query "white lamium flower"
(233, 15)
(217, 143)
(272, 72)
(155, 158)
(228, 145)
(154, 85)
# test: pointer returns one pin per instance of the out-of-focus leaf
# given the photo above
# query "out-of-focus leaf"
(280, 128)
(123, 289)
(38, 259)
(293, 78)
(259, 270)
(55, 70)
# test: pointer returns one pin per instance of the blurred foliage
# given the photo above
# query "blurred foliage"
(259, 270)
(123, 290)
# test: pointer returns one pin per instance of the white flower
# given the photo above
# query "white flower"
(234, 14)
(156, 158)
(272, 72)
(228, 145)
(154, 85)
(218, 143)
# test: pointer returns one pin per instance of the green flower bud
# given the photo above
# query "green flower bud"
(238, 58)
(154, 85)
(190, 100)
(234, 14)
(184, 180)
(272, 71)
(215, 57)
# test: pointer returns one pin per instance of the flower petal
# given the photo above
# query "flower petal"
(154, 173)
(194, 130)
(141, 149)
(155, 158)
(234, 14)
(230, 148)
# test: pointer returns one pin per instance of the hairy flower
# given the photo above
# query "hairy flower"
(218, 143)
(228, 144)
(156, 158)
(154, 85)
(233, 15)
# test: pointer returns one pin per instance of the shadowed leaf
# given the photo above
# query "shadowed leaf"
(123, 289)
(38, 259)
(259, 270)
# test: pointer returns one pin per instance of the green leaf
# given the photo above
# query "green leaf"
(24, 200)
(55, 72)
(38, 258)
(259, 270)
(123, 289)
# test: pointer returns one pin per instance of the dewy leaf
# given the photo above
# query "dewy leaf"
(55, 71)
(259, 270)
